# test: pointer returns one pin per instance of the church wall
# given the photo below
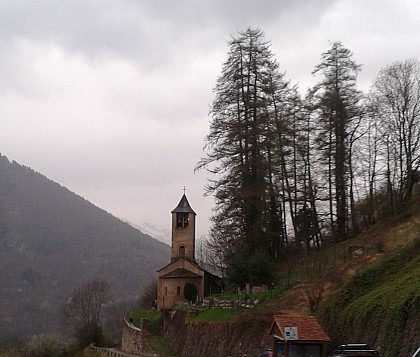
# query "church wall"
(167, 288)
(167, 301)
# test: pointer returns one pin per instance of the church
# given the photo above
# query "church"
(183, 278)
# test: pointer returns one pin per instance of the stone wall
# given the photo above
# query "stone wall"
(248, 335)
(132, 339)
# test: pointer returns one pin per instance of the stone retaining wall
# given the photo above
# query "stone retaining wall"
(217, 339)
(132, 339)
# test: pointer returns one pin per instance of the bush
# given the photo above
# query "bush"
(255, 269)
(37, 346)
(190, 292)
(91, 333)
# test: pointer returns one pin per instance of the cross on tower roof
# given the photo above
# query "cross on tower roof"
(183, 206)
(184, 189)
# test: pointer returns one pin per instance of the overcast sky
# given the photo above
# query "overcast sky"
(110, 98)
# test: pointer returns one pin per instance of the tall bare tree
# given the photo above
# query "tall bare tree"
(371, 164)
(397, 92)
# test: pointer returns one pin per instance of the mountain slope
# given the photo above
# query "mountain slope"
(52, 240)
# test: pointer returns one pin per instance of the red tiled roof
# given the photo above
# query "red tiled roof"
(308, 328)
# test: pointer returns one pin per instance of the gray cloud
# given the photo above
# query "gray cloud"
(110, 98)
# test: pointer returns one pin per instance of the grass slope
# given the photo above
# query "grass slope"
(379, 304)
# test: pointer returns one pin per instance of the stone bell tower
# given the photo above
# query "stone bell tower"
(183, 231)
(183, 280)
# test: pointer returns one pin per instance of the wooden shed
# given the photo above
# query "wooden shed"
(297, 336)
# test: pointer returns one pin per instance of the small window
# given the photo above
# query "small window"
(181, 251)
(182, 219)
(178, 290)
(166, 290)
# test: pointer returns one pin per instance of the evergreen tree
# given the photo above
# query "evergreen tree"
(336, 102)
(248, 219)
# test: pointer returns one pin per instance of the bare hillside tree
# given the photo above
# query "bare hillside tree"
(82, 311)
(397, 93)
(114, 319)
(148, 295)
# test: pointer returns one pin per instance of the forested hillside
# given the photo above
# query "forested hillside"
(52, 240)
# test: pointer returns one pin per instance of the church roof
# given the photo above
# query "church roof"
(194, 263)
(180, 273)
(183, 206)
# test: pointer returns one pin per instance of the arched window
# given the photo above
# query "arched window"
(181, 251)
(178, 290)
(166, 290)
(182, 219)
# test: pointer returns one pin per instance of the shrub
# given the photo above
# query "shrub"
(190, 292)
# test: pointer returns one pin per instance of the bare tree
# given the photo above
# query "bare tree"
(115, 313)
(371, 163)
(36, 345)
(397, 91)
(148, 295)
(201, 250)
(313, 289)
(82, 310)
